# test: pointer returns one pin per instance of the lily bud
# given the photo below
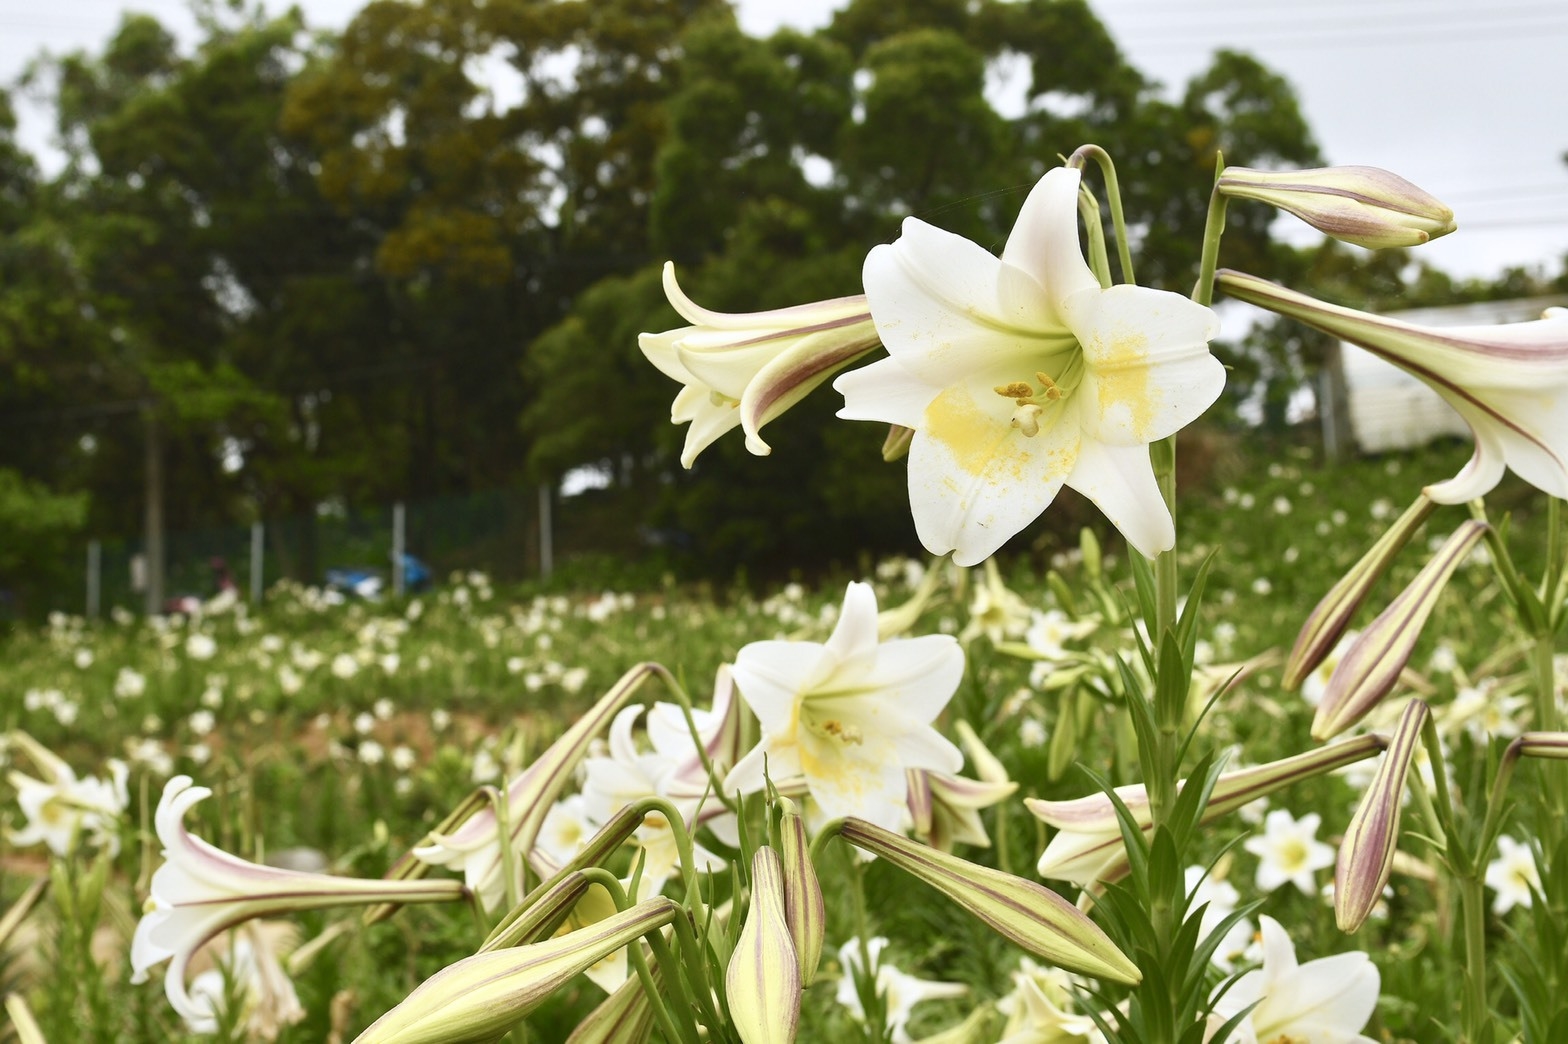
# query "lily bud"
(1551, 745)
(1322, 629)
(1366, 855)
(1088, 845)
(763, 980)
(746, 369)
(1023, 912)
(624, 1017)
(481, 997)
(1371, 665)
(1367, 206)
(803, 904)
(896, 446)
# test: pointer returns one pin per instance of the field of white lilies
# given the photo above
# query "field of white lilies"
(324, 742)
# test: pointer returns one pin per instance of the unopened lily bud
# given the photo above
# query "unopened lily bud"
(1372, 664)
(481, 997)
(624, 1017)
(1367, 206)
(1323, 628)
(896, 446)
(1088, 846)
(1366, 855)
(763, 980)
(1551, 745)
(1023, 912)
(986, 765)
(803, 904)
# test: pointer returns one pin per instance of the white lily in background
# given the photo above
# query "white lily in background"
(1512, 875)
(252, 972)
(1289, 851)
(1039, 1010)
(201, 890)
(61, 810)
(849, 717)
(1326, 1001)
(900, 991)
(1509, 382)
(743, 370)
(1021, 374)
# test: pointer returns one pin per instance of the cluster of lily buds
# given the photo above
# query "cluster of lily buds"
(1367, 206)
(1088, 847)
(1371, 666)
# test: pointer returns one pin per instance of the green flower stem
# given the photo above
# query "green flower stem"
(1213, 228)
(683, 845)
(503, 830)
(1113, 195)
(1473, 1006)
(682, 1031)
(1089, 209)
(678, 691)
(1542, 653)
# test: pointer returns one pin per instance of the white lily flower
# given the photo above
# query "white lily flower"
(252, 971)
(849, 717)
(1039, 1010)
(1509, 382)
(201, 890)
(743, 370)
(1512, 875)
(62, 809)
(899, 990)
(1326, 1001)
(1289, 851)
(1021, 374)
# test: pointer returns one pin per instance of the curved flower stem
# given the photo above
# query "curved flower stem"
(683, 845)
(672, 1030)
(1113, 196)
(678, 691)
(1213, 228)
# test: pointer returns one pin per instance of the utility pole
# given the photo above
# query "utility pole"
(153, 521)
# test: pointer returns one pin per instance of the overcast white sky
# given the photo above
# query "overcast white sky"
(1463, 97)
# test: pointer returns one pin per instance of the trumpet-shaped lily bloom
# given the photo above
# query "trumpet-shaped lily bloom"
(1021, 374)
(745, 369)
(201, 890)
(1509, 383)
(62, 809)
(1326, 1001)
(899, 990)
(849, 717)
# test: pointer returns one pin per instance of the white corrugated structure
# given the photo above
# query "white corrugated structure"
(1387, 409)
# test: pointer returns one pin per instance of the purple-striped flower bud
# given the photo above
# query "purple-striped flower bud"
(1367, 206)
(763, 980)
(1366, 855)
(1323, 628)
(1371, 666)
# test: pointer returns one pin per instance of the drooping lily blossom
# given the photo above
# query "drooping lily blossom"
(201, 890)
(743, 370)
(1329, 999)
(1508, 382)
(1021, 374)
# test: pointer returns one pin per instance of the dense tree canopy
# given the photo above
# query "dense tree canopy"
(411, 260)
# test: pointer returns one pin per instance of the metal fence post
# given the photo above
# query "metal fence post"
(257, 543)
(399, 542)
(94, 578)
